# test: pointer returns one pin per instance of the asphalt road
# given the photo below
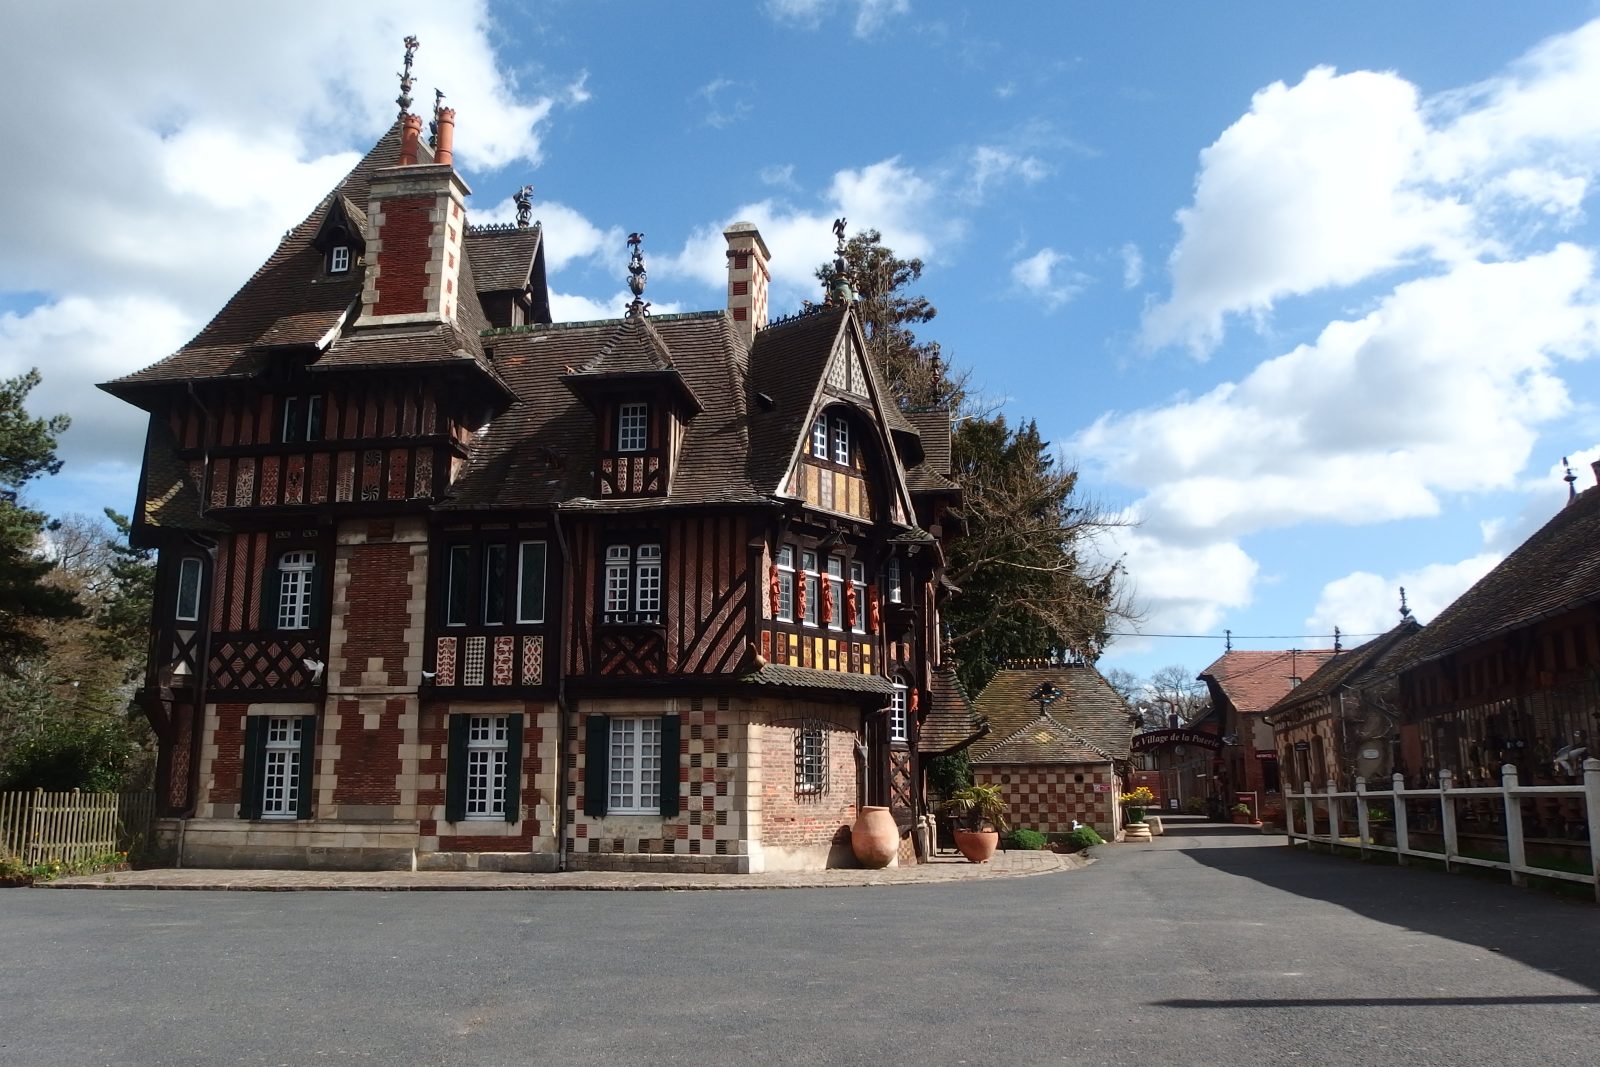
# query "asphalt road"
(1212, 947)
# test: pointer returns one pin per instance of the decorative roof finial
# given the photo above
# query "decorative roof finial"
(637, 277)
(406, 80)
(1405, 610)
(433, 127)
(523, 198)
(1228, 640)
(1571, 480)
(838, 286)
(1337, 647)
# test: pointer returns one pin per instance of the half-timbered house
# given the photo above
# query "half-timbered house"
(443, 583)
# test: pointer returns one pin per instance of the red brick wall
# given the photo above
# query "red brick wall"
(1046, 797)
(376, 615)
(369, 760)
(796, 820)
(435, 740)
(227, 733)
(402, 265)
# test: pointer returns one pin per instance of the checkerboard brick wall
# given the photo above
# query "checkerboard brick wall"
(1047, 797)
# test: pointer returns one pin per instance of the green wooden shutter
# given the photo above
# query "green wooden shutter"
(455, 785)
(669, 765)
(255, 756)
(597, 766)
(513, 768)
(308, 766)
(269, 595)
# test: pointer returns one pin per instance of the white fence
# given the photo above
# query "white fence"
(1331, 804)
(74, 826)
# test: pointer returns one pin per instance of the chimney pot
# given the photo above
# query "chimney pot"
(444, 139)
(1595, 466)
(410, 139)
(748, 278)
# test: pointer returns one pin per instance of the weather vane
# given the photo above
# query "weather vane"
(637, 277)
(838, 285)
(433, 127)
(523, 198)
(406, 80)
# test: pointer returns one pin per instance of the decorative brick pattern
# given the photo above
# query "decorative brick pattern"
(472, 664)
(533, 660)
(294, 480)
(371, 473)
(397, 473)
(445, 661)
(244, 483)
(319, 478)
(422, 483)
(347, 477)
(505, 649)
(269, 480)
(220, 481)
(1047, 797)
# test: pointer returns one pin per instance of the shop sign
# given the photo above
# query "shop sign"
(1156, 738)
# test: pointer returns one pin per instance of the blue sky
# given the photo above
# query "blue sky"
(1307, 293)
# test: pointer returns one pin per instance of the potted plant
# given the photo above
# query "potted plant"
(1135, 803)
(1243, 814)
(979, 814)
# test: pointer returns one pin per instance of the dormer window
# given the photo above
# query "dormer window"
(819, 437)
(830, 439)
(339, 259)
(633, 420)
(841, 442)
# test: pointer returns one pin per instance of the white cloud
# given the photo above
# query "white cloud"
(869, 14)
(1182, 589)
(1132, 266)
(1366, 603)
(721, 111)
(1045, 275)
(990, 165)
(568, 236)
(1441, 388)
(779, 176)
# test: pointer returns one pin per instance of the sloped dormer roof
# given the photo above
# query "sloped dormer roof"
(1087, 705)
(634, 354)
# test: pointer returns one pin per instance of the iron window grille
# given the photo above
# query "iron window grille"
(810, 761)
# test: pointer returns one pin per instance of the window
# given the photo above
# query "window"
(632, 421)
(302, 419)
(891, 580)
(808, 564)
(858, 585)
(785, 564)
(635, 766)
(458, 591)
(339, 259)
(841, 441)
(819, 437)
(836, 591)
(897, 712)
(633, 583)
(294, 589)
(530, 581)
(810, 761)
(280, 777)
(494, 585)
(486, 766)
(188, 606)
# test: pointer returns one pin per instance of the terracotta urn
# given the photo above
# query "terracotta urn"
(874, 838)
(977, 845)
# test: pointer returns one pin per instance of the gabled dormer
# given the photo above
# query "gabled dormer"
(342, 237)
(642, 406)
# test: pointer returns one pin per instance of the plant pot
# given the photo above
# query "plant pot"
(1134, 814)
(977, 845)
(874, 838)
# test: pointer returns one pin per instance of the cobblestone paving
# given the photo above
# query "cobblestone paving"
(944, 868)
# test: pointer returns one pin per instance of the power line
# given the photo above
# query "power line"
(1243, 637)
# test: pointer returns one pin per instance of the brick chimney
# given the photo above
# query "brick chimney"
(748, 278)
(416, 225)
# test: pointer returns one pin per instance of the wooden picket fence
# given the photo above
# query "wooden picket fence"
(71, 827)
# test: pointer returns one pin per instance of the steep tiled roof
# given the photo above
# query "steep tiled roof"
(1362, 664)
(1044, 740)
(786, 677)
(1555, 570)
(539, 452)
(933, 473)
(503, 256)
(950, 723)
(787, 361)
(171, 496)
(1087, 705)
(1254, 681)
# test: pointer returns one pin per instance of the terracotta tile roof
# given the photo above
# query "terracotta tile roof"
(1044, 740)
(1364, 664)
(1087, 705)
(1254, 681)
(1555, 570)
(950, 723)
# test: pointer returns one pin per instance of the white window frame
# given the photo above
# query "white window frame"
(813, 587)
(633, 581)
(819, 437)
(281, 770)
(633, 427)
(488, 759)
(296, 408)
(634, 766)
(898, 715)
(836, 589)
(891, 581)
(190, 577)
(858, 582)
(785, 565)
(810, 761)
(295, 571)
(647, 582)
(339, 259)
(527, 612)
(619, 580)
(841, 441)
